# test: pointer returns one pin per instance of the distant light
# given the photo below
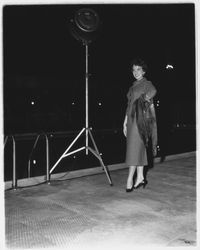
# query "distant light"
(169, 66)
(34, 161)
(73, 103)
(32, 103)
(100, 103)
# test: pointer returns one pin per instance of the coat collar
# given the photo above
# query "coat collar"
(139, 81)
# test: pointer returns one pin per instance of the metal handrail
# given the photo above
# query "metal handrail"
(47, 160)
(14, 179)
(14, 182)
(46, 135)
(30, 155)
(47, 156)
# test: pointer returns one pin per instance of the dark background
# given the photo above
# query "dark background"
(44, 71)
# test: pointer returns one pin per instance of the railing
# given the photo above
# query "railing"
(38, 136)
(173, 139)
(14, 179)
(47, 156)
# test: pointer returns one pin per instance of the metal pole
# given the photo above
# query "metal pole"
(29, 161)
(86, 97)
(29, 169)
(14, 182)
(47, 160)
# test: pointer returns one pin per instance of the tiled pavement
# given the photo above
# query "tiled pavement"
(86, 212)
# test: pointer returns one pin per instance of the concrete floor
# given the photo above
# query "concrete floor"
(86, 212)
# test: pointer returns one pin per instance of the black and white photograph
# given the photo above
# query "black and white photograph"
(99, 125)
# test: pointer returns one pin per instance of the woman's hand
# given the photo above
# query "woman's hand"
(147, 98)
(154, 151)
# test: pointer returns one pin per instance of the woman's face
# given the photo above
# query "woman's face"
(138, 72)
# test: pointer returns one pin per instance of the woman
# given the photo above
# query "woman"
(139, 124)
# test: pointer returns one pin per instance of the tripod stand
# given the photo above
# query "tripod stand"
(85, 130)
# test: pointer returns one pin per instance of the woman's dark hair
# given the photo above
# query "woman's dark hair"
(139, 62)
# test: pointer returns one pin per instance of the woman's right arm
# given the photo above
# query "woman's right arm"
(126, 113)
(125, 125)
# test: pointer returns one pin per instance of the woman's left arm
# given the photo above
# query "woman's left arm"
(150, 91)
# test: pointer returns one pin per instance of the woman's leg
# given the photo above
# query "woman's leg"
(130, 176)
(140, 175)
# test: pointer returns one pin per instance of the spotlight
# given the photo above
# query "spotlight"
(87, 20)
(84, 25)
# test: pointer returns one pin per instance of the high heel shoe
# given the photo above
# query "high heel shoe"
(141, 184)
(129, 189)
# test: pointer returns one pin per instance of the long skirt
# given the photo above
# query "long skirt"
(136, 154)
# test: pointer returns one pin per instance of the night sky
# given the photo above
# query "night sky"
(44, 65)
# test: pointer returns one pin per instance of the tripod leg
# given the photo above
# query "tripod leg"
(102, 164)
(94, 144)
(97, 154)
(64, 154)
